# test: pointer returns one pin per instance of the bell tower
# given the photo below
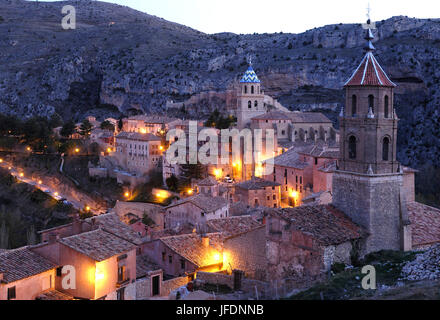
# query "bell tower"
(367, 184)
(250, 98)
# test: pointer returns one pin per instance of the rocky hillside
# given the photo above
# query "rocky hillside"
(119, 59)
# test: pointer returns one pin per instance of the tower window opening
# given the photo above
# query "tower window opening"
(353, 105)
(386, 112)
(256, 103)
(371, 102)
(252, 89)
(352, 147)
(249, 104)
(245, 89)
(385, 149)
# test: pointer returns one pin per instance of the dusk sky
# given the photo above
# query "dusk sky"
(261, 16)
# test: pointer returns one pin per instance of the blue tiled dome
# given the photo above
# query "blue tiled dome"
(250, 76)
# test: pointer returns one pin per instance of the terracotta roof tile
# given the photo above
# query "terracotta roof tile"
(190, 247)
(22, 263)
(144, 265)
(425, 224)
(206, 203)
(325, 223)
(98, 244)
(136, 136)
(256, 183)
(369, 73)
(233, 225)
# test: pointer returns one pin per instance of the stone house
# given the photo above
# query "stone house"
(148, 124)
(149, 278)
(185, 254)
(304, 242)
(195, 210)
(258, 192)
(138, 153)
(24, 274)
(104, 264)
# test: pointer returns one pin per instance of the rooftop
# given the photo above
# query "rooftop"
(98, 244)
(308, 117)
(208, 182)
(136, 136)
(321, 151)
(250, 76)
(369, 73)
(144, 265)
(155, 119)
(206, 203)
(273, 115)
(233, 225)
(290, 159)
(53, 294)
(325, 223)
(256, 183)
(425, 224)
(111, 223)
(21, 263)
(190, 247)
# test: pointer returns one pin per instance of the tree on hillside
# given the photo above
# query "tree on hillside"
(172, 183)
(107, 125)
(56, 120)
(68, 129)
(31, 236)
(86, 128)
(189, 172)
(4, 236)
(120, 124)
(216, 120)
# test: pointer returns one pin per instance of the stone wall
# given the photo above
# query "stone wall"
(337, 254)
(247, 252)
(139, 208)
(169, 285)
(374, 203)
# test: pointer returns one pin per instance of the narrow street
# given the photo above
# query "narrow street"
(82, 204)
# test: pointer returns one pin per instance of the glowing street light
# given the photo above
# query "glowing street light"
(190, 191)
(28, 148)
(161, 148)
(87, 208)
(76, 150)
(127, 194)
(40, 182)
(294, 194)
(56, 194)
(1, 160)
(21, 174)
(217, 173)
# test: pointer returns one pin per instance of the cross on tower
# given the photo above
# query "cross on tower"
(369, 25)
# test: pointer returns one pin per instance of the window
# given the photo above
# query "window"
(316, 161)
(252, 89)
(386, 107)
(11, 293)
(59, 271)
(385, 149)
(245, 89)
(300, 180)
(283, 132)
(249, 104)
(122, 274)
(274, 197)
(256, 104)
(163, 256)
(354, 105)
(170, 259)
(182, 264)
(352, 147)
(371, 102)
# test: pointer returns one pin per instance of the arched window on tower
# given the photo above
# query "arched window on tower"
(249, 104)
(386, 107)
(371, 102)
(245, 89)
(256, 104)
(385, 149)
(353, 105)
(352, 147)
(252, 89)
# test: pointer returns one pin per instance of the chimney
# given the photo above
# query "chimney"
(1, 277)
(95, 224)
(205, 241)
(53, 238)
(76, 224)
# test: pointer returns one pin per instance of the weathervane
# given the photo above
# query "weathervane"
(250, 60)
